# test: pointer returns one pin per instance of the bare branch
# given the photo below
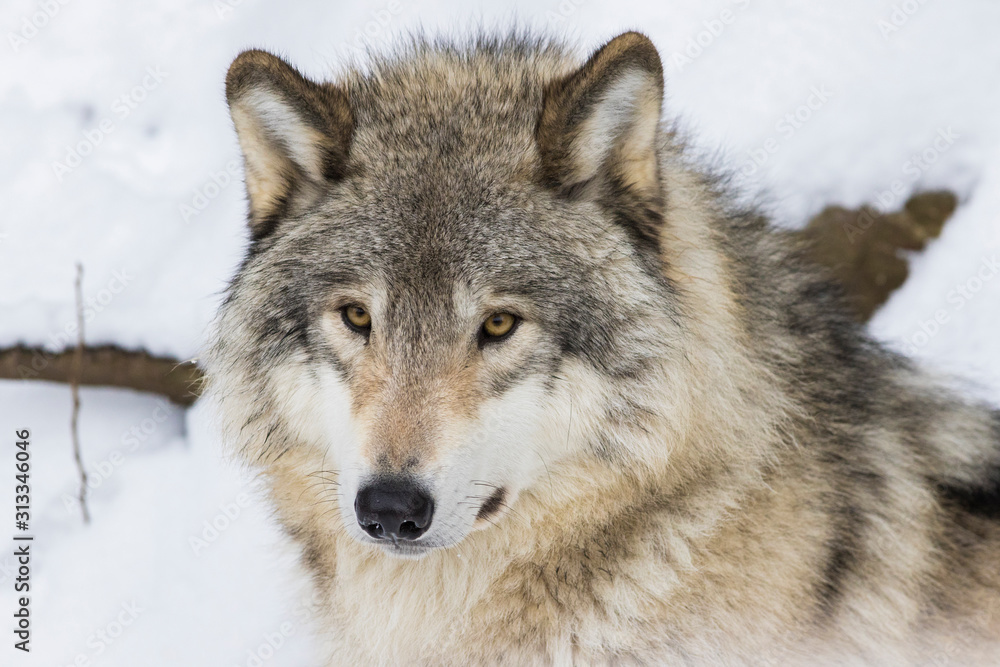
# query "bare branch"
(75, 388)
(109, 366)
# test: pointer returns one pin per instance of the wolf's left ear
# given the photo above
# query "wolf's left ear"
(295, 135)
(599, 125)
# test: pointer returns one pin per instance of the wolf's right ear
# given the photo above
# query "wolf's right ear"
(295, 135)
(599, 127)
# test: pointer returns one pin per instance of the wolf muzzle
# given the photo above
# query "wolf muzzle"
(393, 509)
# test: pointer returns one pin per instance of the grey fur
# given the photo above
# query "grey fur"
(769, 486)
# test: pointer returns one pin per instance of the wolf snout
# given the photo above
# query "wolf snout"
(394, 509)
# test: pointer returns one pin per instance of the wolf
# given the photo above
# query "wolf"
(527, 387)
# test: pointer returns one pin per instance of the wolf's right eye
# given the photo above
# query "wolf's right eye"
(357, 318)
(497, 327)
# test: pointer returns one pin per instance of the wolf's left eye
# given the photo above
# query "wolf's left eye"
(497, 327)
(357, 318)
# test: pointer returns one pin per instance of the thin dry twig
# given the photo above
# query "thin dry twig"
(75, 387)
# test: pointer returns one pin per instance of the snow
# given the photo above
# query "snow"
(182, 564)
(811, 103)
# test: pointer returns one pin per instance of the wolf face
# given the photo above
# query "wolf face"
(452, 264)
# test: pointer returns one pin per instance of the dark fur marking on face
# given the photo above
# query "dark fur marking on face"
(984, 499)
(492, 504)
(312, 558)
(268, 222)
(537, 364)
(641, 216)
(324, 353)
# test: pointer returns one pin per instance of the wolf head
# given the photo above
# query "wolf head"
(454, 282)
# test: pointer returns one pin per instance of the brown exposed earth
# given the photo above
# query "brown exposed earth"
(867, 250)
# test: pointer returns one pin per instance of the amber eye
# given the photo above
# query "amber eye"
(498, 326)
(357, 317)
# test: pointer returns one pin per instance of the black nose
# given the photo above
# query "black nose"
(393, 509)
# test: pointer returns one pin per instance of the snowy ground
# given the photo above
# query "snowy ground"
(180, 565)
(116, 151)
